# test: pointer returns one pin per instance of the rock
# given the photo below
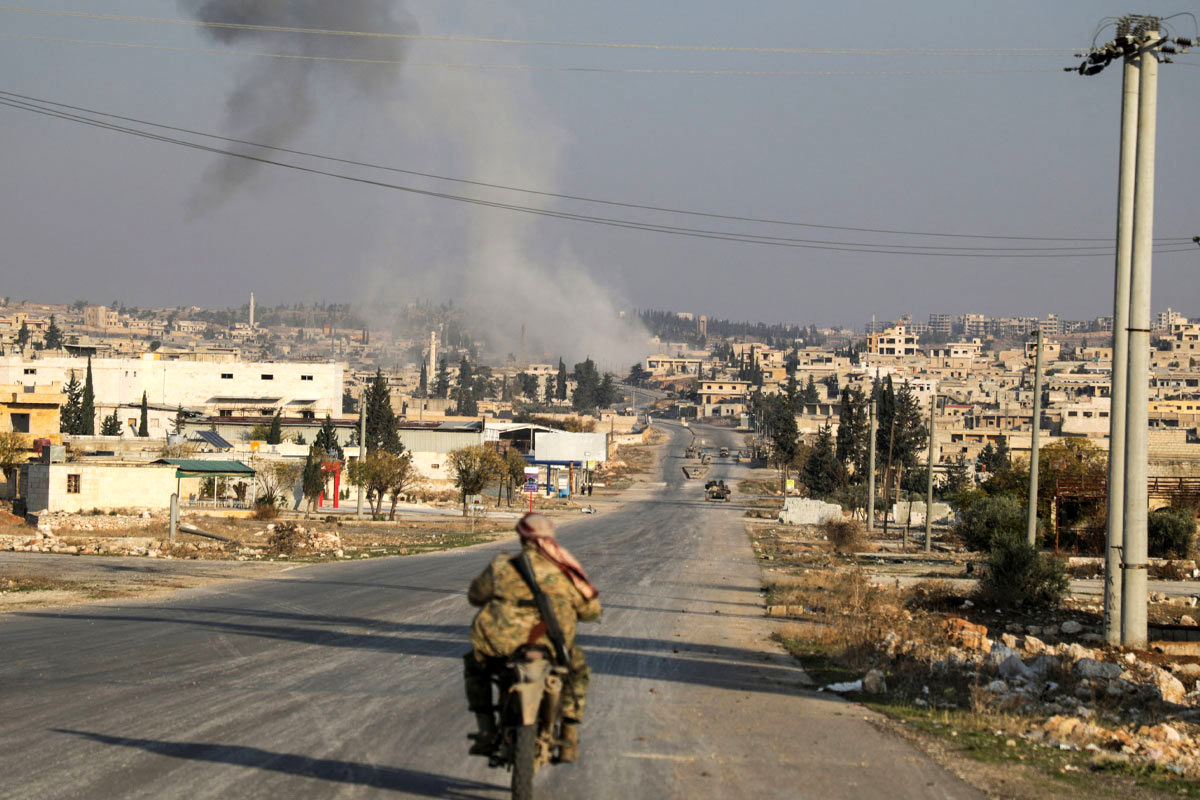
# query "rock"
(1034, 646)
(1014, 669)
(1092, 638)
(874, 683)
(997, 687)
(1188, 672)
(1061, 727)
(1009, 640)
(967, 604)
(1013, 627)
(1075, 652)
(1071, 627)
(967, 634)
(1170, 689)
(1050, 630)
(1187, 620)
(1091, 669)
(1131, 658)
(1165, 733)
(1000, 653)
(1034, 630)
(1043, 664)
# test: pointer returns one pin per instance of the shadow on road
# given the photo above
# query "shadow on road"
(674, 661)
(423, 784)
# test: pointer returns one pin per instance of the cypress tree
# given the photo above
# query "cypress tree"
(275, 433)
(560, 381)
(86, 423)
(381, 420)
(441, 384)
(327, 441)
(144, 419)
(68, 421)
(53, 339)
(180, 419)
(423, 383)
(464, 393)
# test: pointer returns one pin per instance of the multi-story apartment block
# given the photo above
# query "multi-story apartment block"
(897, 341)
(942, 324)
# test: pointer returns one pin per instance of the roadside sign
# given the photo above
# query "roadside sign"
(531, 484)
(791, 484)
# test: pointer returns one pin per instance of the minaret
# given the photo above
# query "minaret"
(252, 309)
(432, 369)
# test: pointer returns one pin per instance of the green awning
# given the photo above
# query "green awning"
(199, 468)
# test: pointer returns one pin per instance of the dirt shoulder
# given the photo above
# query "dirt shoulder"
(1018, 705)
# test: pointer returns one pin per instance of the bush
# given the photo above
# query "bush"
(988, 519)
(1020, 575)
(265, 511)
(285, 539)
(846, 535)
(1169, 532)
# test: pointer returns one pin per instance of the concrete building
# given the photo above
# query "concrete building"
(942, 324)
(100, 485)
(717, 392)
(897, 341)
(222, 388)
(661, 364)
(101, 317)
(31, 411)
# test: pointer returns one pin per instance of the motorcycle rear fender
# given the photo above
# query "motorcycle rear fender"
(530, 687)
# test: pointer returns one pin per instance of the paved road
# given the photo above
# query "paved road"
(342, 680)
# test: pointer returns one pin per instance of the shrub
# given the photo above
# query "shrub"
(846, 535)
(1020, 575)
(1169, 532)
(284, 539)
(988, 519)
(265, 511)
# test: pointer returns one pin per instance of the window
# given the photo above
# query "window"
(31, 370)
(266, 376)
(435, 466)
(306, 377)
(225, 412)
(227, 376)
(20, 423)
(73, 482)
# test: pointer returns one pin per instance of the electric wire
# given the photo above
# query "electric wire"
(580, 198)
(529, 67)
(1001, 52)
(604, 221)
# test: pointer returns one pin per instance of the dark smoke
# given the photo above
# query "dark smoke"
(275, 98)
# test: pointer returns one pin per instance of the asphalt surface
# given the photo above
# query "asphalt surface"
(343, 680)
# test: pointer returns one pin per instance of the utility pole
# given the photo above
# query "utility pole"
(929, 480)
(1133, 575)
(1115, 537)
(362, 446)
(871, 469)
(1031, 520)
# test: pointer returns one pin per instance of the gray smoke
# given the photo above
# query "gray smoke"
(275, 98)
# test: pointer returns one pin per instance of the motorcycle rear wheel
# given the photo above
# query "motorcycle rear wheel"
(524, 753)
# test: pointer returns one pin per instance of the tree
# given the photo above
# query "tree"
(606, 393)
(111, 425)
(958, 479)
(513, 472)
(423, 381)
(349, 404)
(381, 420)
(464, 391)
(69, 418)
(441, 383)
(810, 394)
(638, 375)
(779, 425)
(823, 473)
(23, 334)
(312, 478)
(472, 468)
(587, 386)
(527, 385)
(853, 431)
(143, 430)
(549, 391)
(275, 432)
(53, 340)
(180, 420)
(275, 479)
(326, 441)
(12, 454)
(560, 381)
(382, 473)
(87, 408)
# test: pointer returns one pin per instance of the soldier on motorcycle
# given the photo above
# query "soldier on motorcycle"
(508, 619)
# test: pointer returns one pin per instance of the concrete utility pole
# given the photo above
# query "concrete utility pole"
(1031, 519)
(929, 480)
(1115, 538)
(871, 470)
(1133, 575)
(362, 445)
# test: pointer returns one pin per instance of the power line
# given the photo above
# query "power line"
(605, 221)
(581, 198)
(1002, 52)
(530, 67)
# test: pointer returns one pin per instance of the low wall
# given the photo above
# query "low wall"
(806, 511)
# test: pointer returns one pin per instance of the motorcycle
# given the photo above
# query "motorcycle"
(531, 691)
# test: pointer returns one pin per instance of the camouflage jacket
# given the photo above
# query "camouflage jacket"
(509, 613)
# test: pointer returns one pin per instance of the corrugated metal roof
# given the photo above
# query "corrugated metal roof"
(194, 467)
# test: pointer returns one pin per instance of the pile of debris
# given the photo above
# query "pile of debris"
(287, 538)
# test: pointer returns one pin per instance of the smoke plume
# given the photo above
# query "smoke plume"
(275, 98)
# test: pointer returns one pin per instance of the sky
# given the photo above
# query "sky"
(1006, 145)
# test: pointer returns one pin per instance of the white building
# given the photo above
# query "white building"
(222, 388)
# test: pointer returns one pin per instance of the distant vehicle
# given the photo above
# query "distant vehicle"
(717, 491)
(724, 452)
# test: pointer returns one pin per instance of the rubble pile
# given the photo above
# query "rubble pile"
(1116, 704)
(45, 541)
(287, 538)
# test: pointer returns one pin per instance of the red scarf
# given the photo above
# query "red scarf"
(538, 530)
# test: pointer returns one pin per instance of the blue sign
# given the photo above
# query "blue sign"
(531, 485)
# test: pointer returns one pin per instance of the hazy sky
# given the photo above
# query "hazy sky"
(99, 215)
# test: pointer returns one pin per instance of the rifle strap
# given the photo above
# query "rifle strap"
(553, 630)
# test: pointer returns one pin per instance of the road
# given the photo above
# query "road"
(343, 680)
